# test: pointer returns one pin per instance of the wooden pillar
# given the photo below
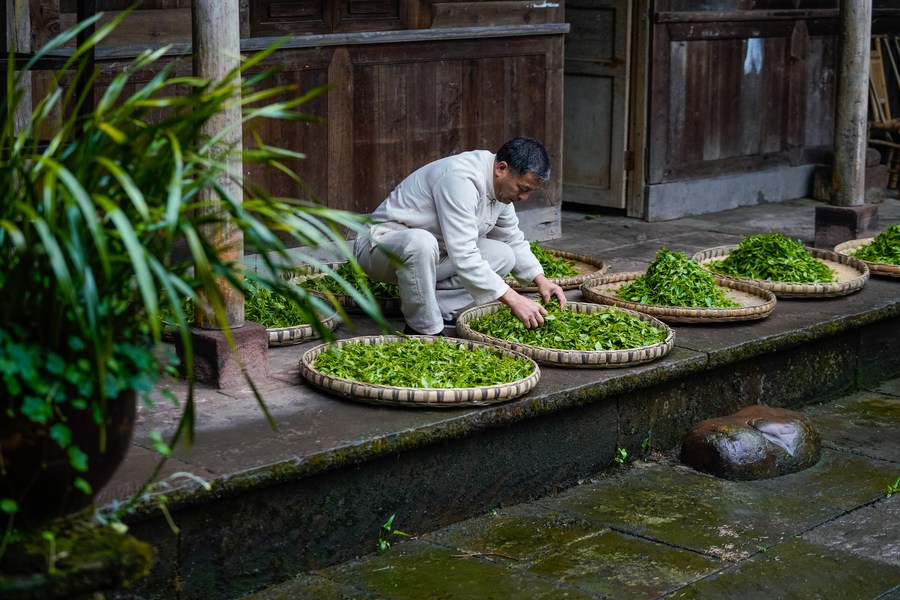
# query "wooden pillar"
(18, 37)
(216, 51)
(848, 216)
(848, 176)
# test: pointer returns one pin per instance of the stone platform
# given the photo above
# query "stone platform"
(315, 490)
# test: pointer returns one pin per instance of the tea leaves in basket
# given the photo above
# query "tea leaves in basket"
(773, 257)
(672, 279)
(422, 364)
(261, 305)
(356, 277)
(554, 266)
(884, 248)
(604, 330)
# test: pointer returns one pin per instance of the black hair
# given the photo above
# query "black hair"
(526, 155)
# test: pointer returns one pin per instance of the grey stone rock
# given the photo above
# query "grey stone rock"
(756, 442)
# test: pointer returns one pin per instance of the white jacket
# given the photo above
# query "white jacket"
(453, 198)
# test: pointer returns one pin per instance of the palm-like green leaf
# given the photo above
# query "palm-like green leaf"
(104, 225)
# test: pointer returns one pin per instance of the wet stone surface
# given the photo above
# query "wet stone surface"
(866, 422)
(798, 569)
(756, 442)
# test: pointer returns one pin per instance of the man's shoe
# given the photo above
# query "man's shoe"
(410, 331)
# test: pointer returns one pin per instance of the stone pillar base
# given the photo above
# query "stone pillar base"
(218, 365)
(836, 224)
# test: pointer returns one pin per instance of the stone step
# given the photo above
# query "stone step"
(313, 492)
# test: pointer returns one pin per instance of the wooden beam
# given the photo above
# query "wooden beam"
(848, 174)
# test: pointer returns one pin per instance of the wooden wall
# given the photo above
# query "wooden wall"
(737, 92)
(410, 81)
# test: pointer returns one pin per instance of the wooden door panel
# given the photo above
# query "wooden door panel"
(595, 89)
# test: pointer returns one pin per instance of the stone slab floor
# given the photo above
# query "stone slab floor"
(652, 528)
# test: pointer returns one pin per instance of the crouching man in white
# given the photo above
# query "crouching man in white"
(454, 233)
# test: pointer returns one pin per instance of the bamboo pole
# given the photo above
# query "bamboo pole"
(848, 174)
(216, 51)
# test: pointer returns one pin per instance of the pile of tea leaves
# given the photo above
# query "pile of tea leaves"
(672, 279)
(565, 329)
(773, 257)
(884, 248)
(356, 277)
(414, 363)
(261, 305)
(554, 266)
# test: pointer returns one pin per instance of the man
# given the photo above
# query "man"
(453, 235)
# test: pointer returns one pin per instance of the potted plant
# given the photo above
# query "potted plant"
(89, 220)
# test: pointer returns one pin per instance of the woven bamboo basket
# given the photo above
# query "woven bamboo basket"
(851, 273)
(389, 305)
(587, 267)
(572, 358)
(416, 397)
(880, 269)
(278, 336)
(755, 302)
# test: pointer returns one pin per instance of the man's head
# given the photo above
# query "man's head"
(521, 166)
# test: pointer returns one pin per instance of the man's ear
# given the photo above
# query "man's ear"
(500, 167)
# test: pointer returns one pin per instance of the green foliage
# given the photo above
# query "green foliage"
(884, 248)
(261, 305)
(772, 256)
(893, 488)
(672, 279)
(606, 329)
(387, 530)
(351, 274)
(554, 266)
(419, 364)
(621, 456)
(90, 220)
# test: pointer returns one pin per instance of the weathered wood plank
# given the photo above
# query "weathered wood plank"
(494, 12)
(143, 28)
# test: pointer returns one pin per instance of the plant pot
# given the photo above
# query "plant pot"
(36, 472)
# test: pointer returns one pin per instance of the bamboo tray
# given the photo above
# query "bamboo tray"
(278, 336)
(881, 269)
(755, 302)
(587, 267)
(572, 358)
(852, 275)
(416, 397)
(389, 305)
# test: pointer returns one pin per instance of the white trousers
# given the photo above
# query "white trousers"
(430, 290)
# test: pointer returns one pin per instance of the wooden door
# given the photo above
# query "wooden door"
(595, 102)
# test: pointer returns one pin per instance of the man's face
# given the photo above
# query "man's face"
(509, 188)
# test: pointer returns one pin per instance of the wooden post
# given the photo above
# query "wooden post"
(18, 30)
(847, 216)
(848, 176)
(216, 51)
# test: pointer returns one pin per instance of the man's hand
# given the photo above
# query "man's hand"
(526, 310)
(547, 288)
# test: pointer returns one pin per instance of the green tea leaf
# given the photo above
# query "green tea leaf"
(773, 257)
(417, 364)
(672, 279)
(607, 329)
(884, 248)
